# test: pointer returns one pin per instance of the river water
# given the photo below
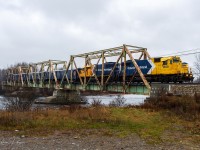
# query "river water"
(129, 98)
(106, 99)
(1, 103)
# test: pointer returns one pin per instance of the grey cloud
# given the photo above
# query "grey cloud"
(45, 29)
(67, 9)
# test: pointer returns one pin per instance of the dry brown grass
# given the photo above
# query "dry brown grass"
(149, 125)
(117, 120)
(50, 117)
(187, 107)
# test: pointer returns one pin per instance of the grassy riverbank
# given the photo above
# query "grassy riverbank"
(148, 124)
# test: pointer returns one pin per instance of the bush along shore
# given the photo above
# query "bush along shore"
(150, 120)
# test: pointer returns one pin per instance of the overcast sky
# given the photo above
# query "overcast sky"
(36, 30)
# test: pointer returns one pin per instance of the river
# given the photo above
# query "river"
(129, 98)
(106, 99)
(1, 102)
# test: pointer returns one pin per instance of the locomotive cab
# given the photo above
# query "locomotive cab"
(171, 69)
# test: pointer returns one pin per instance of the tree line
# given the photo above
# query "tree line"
(3, 72)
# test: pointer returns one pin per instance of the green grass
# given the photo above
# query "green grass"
(120, 120)
(149, 125)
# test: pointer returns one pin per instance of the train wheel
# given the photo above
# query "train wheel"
(162, 80)
(175, 80)
(166, 79)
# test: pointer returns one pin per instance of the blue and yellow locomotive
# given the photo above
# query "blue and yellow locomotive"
(160, 69)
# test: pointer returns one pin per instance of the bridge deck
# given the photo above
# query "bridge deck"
(115, 87)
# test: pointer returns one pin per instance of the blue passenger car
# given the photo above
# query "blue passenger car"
(15, 77)
(24, 76)
(74, 75)
(59, 74)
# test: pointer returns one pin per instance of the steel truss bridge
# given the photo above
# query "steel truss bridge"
(94, 83)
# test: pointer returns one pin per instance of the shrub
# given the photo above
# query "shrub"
(21, 101)
(96, 102)
(197, 97)
(187, 107)
(118, 101)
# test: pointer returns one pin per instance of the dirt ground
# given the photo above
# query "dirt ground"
(90, 140)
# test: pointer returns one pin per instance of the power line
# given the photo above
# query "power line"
(195, 72)
(188, 54)
(182, 53)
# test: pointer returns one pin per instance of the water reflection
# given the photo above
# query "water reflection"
(130, 98)
(1, 102)
(105, 100)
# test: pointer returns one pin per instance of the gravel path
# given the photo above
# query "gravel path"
(87, 140)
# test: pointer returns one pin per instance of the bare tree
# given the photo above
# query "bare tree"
(197, 68)
(3, 71)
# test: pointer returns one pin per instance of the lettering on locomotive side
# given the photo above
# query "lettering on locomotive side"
(107, 69)
(141, 67)
(130, 68)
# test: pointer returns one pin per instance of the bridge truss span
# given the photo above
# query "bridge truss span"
(88, 71)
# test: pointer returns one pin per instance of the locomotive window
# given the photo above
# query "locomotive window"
(170, 61)
(175, 60)
(156, 59)
(165, 62)
(183, 65)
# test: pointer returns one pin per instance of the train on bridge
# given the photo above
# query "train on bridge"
(160, 69)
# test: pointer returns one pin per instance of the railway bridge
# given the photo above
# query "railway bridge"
(60, 75)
